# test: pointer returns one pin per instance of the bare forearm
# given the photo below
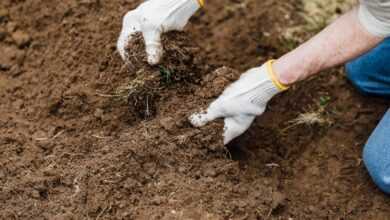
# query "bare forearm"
(340, 42)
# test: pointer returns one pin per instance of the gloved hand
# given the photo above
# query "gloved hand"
(242, 101)
(152, 18)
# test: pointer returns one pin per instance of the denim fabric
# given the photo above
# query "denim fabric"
(376, 154)
(370, 74)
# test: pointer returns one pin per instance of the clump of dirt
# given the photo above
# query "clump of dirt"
(180, 67)
(181, 61)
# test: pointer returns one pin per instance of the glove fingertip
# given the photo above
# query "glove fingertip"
(235, 127)
(198, 119)
(153, 45)
(226, 139)
(154, 56)
(230, 131)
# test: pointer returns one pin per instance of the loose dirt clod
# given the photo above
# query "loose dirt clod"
(179, 67)
(180, 63)
(21, 38)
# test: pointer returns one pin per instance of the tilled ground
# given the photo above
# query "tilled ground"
(84, 136)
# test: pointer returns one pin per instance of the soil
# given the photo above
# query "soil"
(85, 136)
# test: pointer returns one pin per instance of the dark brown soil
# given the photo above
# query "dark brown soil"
(81, 138)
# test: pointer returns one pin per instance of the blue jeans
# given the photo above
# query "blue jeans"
(370, 74)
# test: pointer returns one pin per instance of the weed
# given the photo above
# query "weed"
(166, 75)
(309, 118)
(324, 100)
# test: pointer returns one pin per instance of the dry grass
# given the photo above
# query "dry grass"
(317, 14)
(309, 118)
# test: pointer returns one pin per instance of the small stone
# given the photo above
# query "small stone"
(21, 38)
(168, 123)
(5, 66)
(35, 194)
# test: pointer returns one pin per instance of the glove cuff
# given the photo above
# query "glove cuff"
(201, 3)
(273, 76)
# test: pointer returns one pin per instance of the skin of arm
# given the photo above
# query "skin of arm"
(340, 42)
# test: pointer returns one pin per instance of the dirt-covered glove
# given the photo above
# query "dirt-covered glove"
(152, 18)
(242, 101)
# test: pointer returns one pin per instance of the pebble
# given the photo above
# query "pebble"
(5, 66)
(35, 194)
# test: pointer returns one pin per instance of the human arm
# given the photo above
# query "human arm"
(338, 43)
(348, 37)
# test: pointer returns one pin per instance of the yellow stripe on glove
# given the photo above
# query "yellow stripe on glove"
(273, 76)
(201, 3)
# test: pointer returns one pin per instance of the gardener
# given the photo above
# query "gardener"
(360, 32)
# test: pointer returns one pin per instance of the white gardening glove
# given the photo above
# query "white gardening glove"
(152, 18)
(242, 101)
